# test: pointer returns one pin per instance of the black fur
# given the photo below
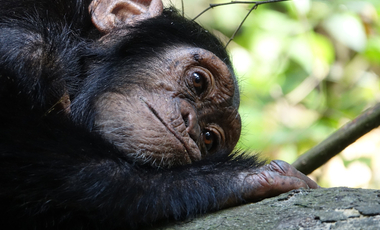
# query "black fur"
(55, 173)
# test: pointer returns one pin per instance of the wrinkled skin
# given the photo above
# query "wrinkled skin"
(118, 114)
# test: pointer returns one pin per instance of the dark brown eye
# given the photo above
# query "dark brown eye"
(209, 140)
(199, 82)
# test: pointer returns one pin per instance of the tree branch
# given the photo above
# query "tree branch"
(339, 140)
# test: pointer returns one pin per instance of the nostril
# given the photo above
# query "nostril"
(186, 119)
(190, 120)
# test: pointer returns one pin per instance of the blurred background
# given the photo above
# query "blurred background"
(305, 67)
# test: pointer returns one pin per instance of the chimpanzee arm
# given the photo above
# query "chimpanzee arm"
(53, 173)
(65, 176)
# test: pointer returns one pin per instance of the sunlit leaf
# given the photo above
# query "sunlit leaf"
(347, 29)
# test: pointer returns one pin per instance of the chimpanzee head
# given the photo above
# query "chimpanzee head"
(158, 86)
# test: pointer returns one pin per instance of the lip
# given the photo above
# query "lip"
(191, 156)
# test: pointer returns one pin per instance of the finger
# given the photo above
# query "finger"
(269, 183)
(288, 170)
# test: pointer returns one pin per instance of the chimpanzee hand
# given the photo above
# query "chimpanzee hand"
(273, 179)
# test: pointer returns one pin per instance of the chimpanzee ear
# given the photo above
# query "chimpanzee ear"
(109, 14)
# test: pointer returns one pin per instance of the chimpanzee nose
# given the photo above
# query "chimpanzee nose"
(190, 118)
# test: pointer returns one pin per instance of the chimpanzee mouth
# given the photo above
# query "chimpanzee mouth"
(191, 155)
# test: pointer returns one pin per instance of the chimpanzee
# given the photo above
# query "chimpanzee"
(116, 114)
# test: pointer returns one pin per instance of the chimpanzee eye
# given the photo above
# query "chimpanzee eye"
(199, 82)
(209, 140)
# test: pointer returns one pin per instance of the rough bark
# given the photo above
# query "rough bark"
(332, 208)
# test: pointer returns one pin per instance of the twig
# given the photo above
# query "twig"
(241, 24)
(257, 3)
(339, 140)
(183, 8)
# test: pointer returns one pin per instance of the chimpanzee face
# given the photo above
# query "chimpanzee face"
(181, 110)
